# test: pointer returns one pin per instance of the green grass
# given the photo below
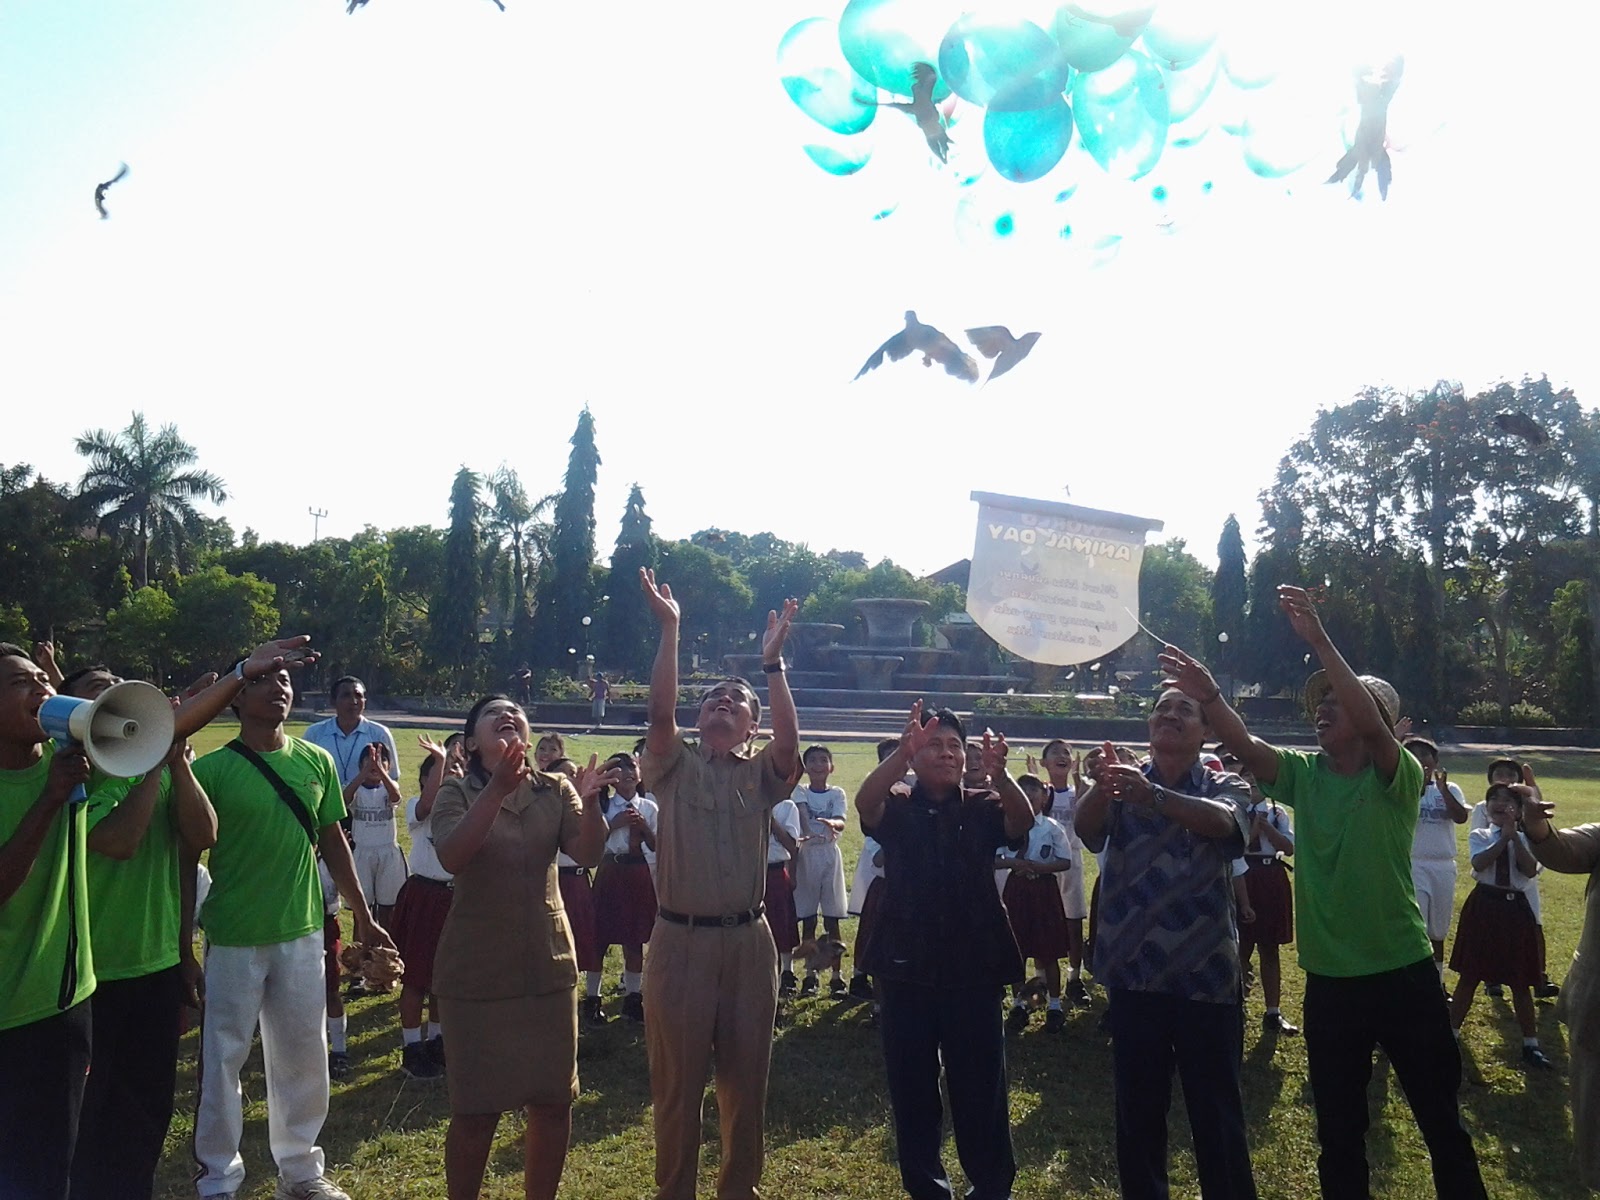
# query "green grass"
(827, 1123)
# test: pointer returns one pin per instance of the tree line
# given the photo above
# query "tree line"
(1454, 540)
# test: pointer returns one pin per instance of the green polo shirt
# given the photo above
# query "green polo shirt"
(264, 885)
(1355, 907)
(134, 904)
(36, 923)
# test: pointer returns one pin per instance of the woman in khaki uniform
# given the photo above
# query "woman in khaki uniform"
(1575, 852)
(505, 972)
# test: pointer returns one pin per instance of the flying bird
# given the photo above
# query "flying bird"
(923, 110)
(996, 342)
(1523, 426)
(917, 338)
(1374, 90)
(100, 191)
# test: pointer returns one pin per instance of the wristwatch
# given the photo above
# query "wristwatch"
(1158, 796)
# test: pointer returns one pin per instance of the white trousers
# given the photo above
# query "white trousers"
(282, 986)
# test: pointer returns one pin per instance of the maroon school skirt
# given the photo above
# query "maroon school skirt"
(1272, 896)
(781, 920)
(1496, 938)
(331, 945)
(1039, 923)
(867, 922)
(578, 899)
(419, 913)
(624, 903)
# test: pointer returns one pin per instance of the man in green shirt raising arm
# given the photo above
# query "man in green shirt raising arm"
(1370, 979)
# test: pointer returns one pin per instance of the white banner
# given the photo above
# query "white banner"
(1055, 583)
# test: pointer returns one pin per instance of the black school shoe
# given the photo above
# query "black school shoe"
(786, 984)
(809, 987)
(417, 1063)
(1078, 993)
(1535, 1057)
(633, 1007)
(435, 1048)
(592, 1012)
(1278, 1023)
(338, 1064)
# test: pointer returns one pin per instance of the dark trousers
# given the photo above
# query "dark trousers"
(1404, 1012)
(127, 1104)
(1151, 1035)
(962, 1026)
(41, 1092)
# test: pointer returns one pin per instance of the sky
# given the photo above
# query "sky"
(357, 252)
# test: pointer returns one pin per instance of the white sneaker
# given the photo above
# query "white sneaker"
(320, 1188)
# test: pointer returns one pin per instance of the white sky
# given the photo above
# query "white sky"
(354, 253)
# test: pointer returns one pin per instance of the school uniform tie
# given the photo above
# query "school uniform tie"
(1502, 870)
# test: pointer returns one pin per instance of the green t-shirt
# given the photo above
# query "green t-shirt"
(264, 885)
(1355, 908)
(134, 904)
(36, 923)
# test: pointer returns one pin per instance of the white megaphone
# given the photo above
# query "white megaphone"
(126, 731)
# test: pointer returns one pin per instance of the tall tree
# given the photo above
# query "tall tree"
(141, 490)
(566, 591)
(453, 614)
(1229, 592)
(515, 539)
(628, 624)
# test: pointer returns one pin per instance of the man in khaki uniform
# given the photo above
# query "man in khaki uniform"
(711, 980)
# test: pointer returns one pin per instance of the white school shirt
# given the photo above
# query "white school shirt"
(617, 839)
(347, 749)
(1480, 840)
(1479, 819)
(424, 858)
(816, 805)
(1435, 839)
(1047, 843)
(372, 820)
(1063, 803)
(787, 814)
(867, 873)
(1278, 817)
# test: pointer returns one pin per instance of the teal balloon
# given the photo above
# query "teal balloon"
(836, 161)
(1086, 43)
(883, 39)
(1188, 87)
(1005, 66)
(1180, 38)
(1122, 115)
(1025, 145)
(814, 72)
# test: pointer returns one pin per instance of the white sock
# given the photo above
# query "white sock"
(411, 1037)
(786, 963)
(1273, 1012)
(1038, 971)
(591, 985)
(434, 1031)
(1055, 1003)
(1074, 974)
(838, 975)
(630, 981)
(1530, 1042)
(336, 1026)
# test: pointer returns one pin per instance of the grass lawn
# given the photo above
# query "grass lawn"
(827, 1122)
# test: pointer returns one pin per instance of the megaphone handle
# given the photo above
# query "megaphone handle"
(79, 795)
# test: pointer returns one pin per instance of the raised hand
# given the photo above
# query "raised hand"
(1188, 674)
(1442, 778)
(512, 769)
(1032, 763)
(591, 778)
(994, 754)
(433, 749)
(1301, 610)
(291, 652)
(915, 735)
(658, 599)
(1402, 729)
(777, 630)
(199, 685)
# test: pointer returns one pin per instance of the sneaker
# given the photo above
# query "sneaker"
(338, 1064)
(809, 987)
(1054, 1020)
(1535, 1057)
(1016, 1019)
(838, 989)
(1548, 990)
(1278, 1023)
(416, 1064)
(435, 1048)
(786, 984)
(592, 1013)
(633, 1007)
(320, 1188)
(860, 987)
(355, 989)
(1078, 994)
(1495, 990)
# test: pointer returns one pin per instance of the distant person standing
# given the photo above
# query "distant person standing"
(1433, 846)
(599, 689)
(348, 733)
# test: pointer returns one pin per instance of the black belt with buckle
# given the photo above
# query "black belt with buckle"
(729, 921)
(444, 883)
(584, 871)
(626, 860)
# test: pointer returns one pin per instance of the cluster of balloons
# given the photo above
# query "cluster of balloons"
(1171, 96)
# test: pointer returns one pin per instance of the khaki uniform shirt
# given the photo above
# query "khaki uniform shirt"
(1575, 851)
(711, 834)
(507, 933)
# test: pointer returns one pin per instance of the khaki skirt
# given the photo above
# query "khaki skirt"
(505, 1054)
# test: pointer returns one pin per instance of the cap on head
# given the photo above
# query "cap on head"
(1381, 690)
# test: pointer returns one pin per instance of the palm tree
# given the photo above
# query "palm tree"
(511, 523)
(138, 486)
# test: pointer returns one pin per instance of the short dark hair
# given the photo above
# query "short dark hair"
(333, 689)
(810, 750)
(1495, 789)
(1030, 781)
(755, 700)
(950, 721)
(72, 677)
(1414, 744)
(425, 769)
(1504, 762)
(887, 746)
(12, 650)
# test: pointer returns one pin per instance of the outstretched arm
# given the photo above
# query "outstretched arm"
(1352, 694)
(1013, 800)
(662, 708)
(1193, 679)
(203, 704)
(873, 794)
(780, 701)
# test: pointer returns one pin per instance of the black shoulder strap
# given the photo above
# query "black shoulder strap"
(285, 792)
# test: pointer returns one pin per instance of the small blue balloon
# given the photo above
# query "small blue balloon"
(1025, 145)
(814, 72)
(1007, 66)
(837, 161)
(1089, 44)
(1122, 115)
